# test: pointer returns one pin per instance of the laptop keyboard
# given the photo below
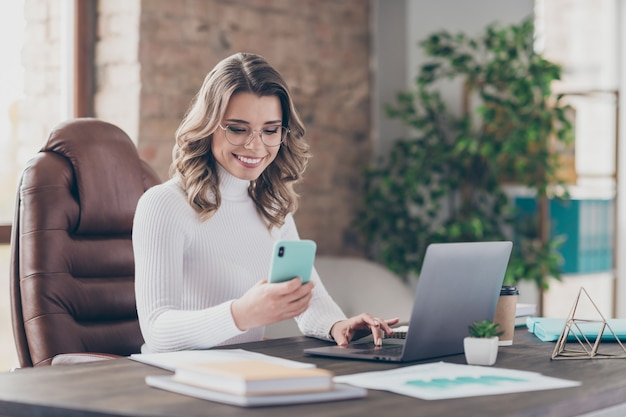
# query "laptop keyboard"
(391, 350)
(398, 333)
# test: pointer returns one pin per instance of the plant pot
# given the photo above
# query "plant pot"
(480, 351)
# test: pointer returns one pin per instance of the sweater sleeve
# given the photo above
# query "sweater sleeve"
(323, 312)
(161, 231)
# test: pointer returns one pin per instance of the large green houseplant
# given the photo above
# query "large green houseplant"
(448, 182)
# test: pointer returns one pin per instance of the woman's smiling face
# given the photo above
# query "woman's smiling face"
(247, 161)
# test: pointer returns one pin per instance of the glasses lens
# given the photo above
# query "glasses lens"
(241, 134)
(238, 134)
(274, 135)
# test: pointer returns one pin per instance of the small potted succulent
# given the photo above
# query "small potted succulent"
(481, 346)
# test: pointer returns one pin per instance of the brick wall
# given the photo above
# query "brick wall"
(321, 47)
(118, 81)
(152, 55)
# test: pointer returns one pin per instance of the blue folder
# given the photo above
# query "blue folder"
(549, 329)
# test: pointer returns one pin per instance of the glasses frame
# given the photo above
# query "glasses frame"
(252, 132)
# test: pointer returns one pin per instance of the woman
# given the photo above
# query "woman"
(203, 239)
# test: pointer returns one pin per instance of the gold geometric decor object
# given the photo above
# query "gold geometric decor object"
(575, 326)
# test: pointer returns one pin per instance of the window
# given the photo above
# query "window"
(582, 36)
(11, 92)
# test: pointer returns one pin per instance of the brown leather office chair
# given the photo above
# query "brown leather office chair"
(72, 268)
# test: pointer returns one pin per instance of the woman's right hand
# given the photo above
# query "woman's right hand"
(266, 303)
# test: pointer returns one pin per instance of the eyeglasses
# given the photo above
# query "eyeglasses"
(241, 135)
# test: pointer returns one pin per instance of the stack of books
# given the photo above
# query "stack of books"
(522, 312)
(251, 383)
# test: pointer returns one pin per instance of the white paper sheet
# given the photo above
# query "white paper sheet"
(172, 360)
(435, 381)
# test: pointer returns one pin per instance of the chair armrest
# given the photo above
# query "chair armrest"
(75, 358)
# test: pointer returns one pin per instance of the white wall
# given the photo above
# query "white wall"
(398, 27)
(389, 64)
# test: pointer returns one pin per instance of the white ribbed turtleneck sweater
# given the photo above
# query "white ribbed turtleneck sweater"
(188, 272)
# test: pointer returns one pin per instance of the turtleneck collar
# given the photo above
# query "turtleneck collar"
(231, 187)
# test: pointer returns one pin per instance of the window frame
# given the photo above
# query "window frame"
(85, 12)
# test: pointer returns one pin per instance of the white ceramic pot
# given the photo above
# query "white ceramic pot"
(480, 351)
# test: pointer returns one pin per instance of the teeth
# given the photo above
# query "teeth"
(249, 160)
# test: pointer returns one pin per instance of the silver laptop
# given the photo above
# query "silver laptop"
(459, 283)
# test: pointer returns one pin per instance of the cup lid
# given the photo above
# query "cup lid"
(509, 290)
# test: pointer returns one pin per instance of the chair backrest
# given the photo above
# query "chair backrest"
(72, 267)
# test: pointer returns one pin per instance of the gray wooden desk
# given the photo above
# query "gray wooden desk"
(116, 388)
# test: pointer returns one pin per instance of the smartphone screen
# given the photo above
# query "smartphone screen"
(292, 258)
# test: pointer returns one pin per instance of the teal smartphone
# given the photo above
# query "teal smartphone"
(292, 258)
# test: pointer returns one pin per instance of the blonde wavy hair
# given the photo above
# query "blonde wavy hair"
(193, 160)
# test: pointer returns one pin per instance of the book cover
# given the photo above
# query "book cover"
(549, 329)
(338, 392)
(253, 377)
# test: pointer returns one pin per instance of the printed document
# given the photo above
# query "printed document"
(436, 381)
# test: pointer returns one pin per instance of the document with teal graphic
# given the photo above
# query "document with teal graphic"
(441, 380)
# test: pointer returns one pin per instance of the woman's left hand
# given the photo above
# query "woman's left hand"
(360, 326)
